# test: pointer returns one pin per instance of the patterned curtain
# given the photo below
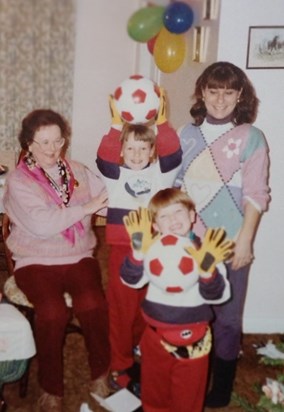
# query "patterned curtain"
(36, 61)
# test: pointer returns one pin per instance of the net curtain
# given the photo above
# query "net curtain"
(36, 61)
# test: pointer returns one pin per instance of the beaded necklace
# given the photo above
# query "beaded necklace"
(62, 189)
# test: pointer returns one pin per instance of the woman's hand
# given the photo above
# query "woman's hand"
(96, 203)
(242, 253)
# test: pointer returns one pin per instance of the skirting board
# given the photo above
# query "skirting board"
(252, 325)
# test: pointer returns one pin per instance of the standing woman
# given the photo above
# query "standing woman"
(225, 172)
(50, 202)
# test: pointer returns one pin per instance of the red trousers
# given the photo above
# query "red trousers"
(44, 286)
(126, 321)
(169, 384)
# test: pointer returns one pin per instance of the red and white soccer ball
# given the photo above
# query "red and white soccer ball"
(169, 266)
(137, 100)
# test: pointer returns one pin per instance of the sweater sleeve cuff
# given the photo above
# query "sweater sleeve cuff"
(163, 126)
(117, 127)
(209, 277)
(136, 257)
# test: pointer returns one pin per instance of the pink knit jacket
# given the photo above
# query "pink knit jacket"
(37, 222)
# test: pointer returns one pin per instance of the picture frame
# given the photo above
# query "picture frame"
(265, 48)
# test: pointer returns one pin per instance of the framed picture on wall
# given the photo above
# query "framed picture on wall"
(265, 47)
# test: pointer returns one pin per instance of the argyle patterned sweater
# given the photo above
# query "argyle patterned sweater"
(224, 166)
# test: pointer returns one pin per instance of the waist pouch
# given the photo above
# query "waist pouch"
(196, 349)
(183, 335)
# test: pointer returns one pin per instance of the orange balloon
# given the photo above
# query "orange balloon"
(169, 50)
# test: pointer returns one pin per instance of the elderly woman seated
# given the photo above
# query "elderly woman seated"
(50, 202)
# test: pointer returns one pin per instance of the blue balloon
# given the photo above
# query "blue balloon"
(178, 17)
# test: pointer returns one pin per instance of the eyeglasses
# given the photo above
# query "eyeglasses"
(45, 144)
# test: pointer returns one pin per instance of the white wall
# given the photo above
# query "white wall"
(105, 56)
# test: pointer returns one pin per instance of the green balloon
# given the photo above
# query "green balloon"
(145, 23)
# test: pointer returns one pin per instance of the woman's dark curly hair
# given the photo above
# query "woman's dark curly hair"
(222, 75)
(38, 118)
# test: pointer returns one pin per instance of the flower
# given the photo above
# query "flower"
(274, 391)
(232, 148)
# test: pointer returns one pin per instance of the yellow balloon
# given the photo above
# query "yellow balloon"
(169, 51)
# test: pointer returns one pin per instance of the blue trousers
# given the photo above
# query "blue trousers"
(227, 326)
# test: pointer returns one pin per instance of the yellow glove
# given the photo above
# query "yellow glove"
(161, 116)
(138, 225)
(115, 117)
(214, 249)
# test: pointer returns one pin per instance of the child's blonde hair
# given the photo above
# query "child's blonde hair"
(168, 197)
(140, 132)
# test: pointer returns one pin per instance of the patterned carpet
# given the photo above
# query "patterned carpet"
(249, 373)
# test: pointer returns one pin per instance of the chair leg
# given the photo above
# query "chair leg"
(24, 381)
(3, 405)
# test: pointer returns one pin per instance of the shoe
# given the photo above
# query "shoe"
(100, 387)
(119, 380)
(223, 376)
(135, 388)
(50, 403)
(134, 385)
(127, 378)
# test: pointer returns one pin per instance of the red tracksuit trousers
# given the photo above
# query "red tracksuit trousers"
(126, 321)
(169, 384)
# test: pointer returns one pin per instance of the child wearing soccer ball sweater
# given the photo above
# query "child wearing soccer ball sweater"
(135, 164)
(184, 278)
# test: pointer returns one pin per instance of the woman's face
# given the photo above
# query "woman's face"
(46, 146)
(220, 103)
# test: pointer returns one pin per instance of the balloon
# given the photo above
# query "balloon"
(151, 44)
(145, 23)
(169, 51)
(178, 17)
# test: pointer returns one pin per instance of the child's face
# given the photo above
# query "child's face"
(175, 219)
(136, 153)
